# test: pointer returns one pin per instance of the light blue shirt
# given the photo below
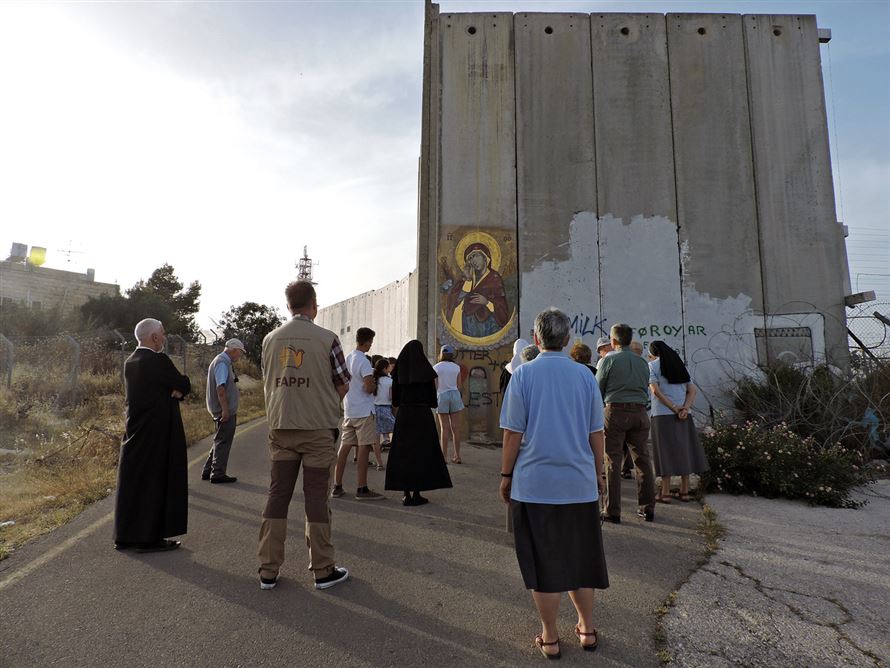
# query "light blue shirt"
(675, 392)
(221, 372)
(556, 404)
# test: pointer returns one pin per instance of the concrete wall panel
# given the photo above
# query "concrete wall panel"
(478, 296)
(716, 204)
(631, 93)
(556, 170)
(638, 245)
(801, 242)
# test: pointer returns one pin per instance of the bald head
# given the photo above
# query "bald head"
(150, 333)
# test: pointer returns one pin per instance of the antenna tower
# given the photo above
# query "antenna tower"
(304, 267)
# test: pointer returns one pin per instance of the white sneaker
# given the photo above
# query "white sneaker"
(268, 583)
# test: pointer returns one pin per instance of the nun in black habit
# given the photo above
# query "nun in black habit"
(415, 461)
(152, 484)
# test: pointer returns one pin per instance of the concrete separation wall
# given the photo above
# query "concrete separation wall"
(385, 310)
(671, 172)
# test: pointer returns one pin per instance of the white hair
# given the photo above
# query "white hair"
(145, 328)
(552, 328)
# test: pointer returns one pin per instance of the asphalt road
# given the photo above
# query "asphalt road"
(430, 586)
(792, 585)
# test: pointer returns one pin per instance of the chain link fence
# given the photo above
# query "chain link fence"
(869, 328)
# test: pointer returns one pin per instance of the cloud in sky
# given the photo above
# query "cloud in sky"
(223, 137)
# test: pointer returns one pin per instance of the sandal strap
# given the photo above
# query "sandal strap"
(579, 632)
(539, 641)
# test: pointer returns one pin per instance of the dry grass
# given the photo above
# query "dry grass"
(59, 459)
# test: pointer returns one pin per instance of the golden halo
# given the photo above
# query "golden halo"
(489, 340)
(482, 238)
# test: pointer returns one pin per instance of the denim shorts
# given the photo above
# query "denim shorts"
(450, 402)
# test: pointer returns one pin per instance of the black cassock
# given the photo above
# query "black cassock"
(152, 483)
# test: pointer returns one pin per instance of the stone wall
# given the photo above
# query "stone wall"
(45, 288)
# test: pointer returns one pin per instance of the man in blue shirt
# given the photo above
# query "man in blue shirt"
(552, 477)
(222, 404)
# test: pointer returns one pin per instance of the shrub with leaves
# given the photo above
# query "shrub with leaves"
(823, 403)
(774, 461)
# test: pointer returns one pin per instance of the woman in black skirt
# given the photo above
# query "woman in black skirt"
(415, 462)
(675, 444)
(551, 477)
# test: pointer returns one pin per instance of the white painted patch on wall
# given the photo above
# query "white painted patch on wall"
(640, 277)
(570, 285)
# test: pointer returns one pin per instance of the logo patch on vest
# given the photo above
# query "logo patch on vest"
(291, 358)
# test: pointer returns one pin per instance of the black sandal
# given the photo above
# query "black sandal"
(581, 635)
(539, 641)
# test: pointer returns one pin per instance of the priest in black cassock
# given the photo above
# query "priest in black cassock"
(152, 484)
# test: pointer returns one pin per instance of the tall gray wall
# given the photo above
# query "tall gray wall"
(671, 172)
(556, 169)
(385, 310)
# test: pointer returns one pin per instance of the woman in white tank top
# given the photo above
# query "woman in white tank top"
(450, 402)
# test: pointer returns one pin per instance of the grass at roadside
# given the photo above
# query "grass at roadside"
(68, 457)
(710, 529)
(712, 532)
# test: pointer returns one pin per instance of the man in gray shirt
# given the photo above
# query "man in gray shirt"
(623, 377)
(222, 403)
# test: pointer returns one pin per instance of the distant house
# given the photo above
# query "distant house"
(45, 288)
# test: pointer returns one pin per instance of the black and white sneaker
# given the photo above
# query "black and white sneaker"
(337, 576)
(268, 583)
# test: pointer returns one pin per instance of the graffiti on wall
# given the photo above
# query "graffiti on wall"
(477, 302)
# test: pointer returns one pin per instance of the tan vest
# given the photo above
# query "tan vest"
(297, 377)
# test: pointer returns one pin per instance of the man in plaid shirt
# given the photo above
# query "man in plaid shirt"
(304, 378)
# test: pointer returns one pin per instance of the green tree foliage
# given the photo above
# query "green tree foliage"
(250, 322)
(19, 320)
(161, 296)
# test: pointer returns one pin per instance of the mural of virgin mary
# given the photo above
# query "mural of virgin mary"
(476, 304)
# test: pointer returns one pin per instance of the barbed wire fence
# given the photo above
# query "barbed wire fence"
(56, 367)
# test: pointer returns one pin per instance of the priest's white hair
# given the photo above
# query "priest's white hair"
(145, 328)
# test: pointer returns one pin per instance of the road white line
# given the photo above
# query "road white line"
(55, 551)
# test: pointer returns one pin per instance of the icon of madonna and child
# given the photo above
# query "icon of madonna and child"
(476, 310)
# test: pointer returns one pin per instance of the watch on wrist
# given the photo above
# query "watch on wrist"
(507, 475)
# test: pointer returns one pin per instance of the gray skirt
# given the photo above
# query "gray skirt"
(559, 547)
(675, 446)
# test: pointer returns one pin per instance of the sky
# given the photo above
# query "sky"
(223, 137)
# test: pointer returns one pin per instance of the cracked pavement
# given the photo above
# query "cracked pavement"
(791, 585)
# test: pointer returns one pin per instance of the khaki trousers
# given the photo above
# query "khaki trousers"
(289, 448)
(628, 423)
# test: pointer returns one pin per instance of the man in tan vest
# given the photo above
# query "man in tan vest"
(305, 377)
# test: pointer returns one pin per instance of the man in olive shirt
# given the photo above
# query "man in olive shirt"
(623, 378)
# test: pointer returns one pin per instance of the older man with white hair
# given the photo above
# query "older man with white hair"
(152, 487)
(222, 404)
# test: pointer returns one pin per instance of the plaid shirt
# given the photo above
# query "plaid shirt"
(339, 372)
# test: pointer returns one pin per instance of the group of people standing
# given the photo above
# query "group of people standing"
(564, 434)
(564, 430)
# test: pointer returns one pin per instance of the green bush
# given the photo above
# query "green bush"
(821, 403)
(774, 461)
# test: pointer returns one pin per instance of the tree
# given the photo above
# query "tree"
(161, 297)
(250, 322)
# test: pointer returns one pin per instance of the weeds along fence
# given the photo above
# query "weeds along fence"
(69, 368)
